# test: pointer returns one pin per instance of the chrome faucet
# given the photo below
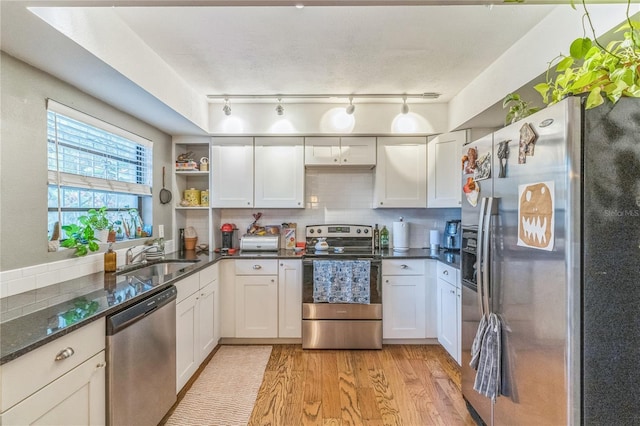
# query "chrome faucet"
(130, 257)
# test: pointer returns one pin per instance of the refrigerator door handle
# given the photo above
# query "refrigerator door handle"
(479, 262)
(485, 253)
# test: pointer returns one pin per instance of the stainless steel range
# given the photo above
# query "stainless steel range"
(341, 290)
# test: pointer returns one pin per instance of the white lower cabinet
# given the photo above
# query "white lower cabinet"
(37, 388)
(256, 298)
(449, 310)
(290, 298)
(197, 322)
(261, 298)
(77, 398)
(408, 299)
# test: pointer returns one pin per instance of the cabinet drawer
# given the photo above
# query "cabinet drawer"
(208, 275)
(447, 273)
(403, 267)
(187, 286)
(256, 267)
(34, 370)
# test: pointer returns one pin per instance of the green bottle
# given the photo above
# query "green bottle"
(384, 238)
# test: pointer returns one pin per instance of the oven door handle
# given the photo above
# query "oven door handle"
(374, 262)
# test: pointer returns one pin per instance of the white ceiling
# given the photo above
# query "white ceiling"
(265, 50)
(270, 50)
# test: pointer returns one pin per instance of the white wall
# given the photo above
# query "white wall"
(308, 118)
(528, 58)
(23, 159)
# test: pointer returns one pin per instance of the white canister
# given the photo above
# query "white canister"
(400, 236)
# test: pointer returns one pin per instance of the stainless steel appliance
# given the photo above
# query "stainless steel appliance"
(555, 243)
(327, 325)
(451, 236)
(260, 243)
(141, 361)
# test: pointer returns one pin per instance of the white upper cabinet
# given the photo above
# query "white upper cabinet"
(321, 151)
(279, 172)
(401, 172)
(444, 177)
(232, 172)
(343, 151)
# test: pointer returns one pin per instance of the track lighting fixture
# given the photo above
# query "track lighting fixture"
(279, 108)
(405, 107)
(349, 110)
(226, 108)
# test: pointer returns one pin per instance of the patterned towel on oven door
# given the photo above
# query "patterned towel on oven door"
(341, 281)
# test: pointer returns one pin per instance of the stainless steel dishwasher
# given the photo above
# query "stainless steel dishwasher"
(141, 361)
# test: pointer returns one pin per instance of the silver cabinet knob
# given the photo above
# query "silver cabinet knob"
(445, 272)
(404, 266)
(64, 354)
(257, 267)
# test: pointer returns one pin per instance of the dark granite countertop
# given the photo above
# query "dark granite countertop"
(91, 297)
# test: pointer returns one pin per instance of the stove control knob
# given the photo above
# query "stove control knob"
(319, 231)
(311, 231)
(358, 231)
(366, 231)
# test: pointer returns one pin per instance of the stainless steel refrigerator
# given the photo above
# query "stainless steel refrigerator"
(551, 244)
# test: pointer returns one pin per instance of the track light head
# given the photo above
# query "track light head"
(226, 108)
(279, 108)
(351, 108)
(405, 107)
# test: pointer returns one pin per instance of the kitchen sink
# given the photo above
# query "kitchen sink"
(165, 267)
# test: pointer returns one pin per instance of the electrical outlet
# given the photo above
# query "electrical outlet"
(160, 231)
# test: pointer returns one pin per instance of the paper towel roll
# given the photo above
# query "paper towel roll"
(400, 236)
(434, 238)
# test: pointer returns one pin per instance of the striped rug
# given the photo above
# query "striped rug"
(226, 390)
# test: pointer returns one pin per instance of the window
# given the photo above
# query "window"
(94, 164)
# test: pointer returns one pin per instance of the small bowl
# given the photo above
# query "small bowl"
(338, 249)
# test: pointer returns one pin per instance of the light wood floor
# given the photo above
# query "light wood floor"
(399, 385)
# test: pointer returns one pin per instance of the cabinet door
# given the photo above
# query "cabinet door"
(321, 151)
(447, 323)
(401, 172)
(358, 151)
(187, 353)
(403, 298)
(279, 173)
(232, 172)
(78, 398)
(227, 284)
(206, 318)
(257, 306)
(444, 176)
(431, 299)
(290, 299)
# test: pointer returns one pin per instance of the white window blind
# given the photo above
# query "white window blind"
(85, 152)
(92, 164)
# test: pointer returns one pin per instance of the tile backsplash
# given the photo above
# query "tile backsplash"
(337, 196)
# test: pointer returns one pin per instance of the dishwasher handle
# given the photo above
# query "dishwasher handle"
(123, 319)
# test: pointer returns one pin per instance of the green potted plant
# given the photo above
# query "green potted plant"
(518, 108)
(90, 230)
(80, 236)
(597, 71)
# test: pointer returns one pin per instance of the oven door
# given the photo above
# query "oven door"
(313, 310)
(342, 325)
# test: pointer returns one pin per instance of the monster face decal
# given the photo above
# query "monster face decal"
(536, 215)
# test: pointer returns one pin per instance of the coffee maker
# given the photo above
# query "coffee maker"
(228, 235)
(451, 237)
